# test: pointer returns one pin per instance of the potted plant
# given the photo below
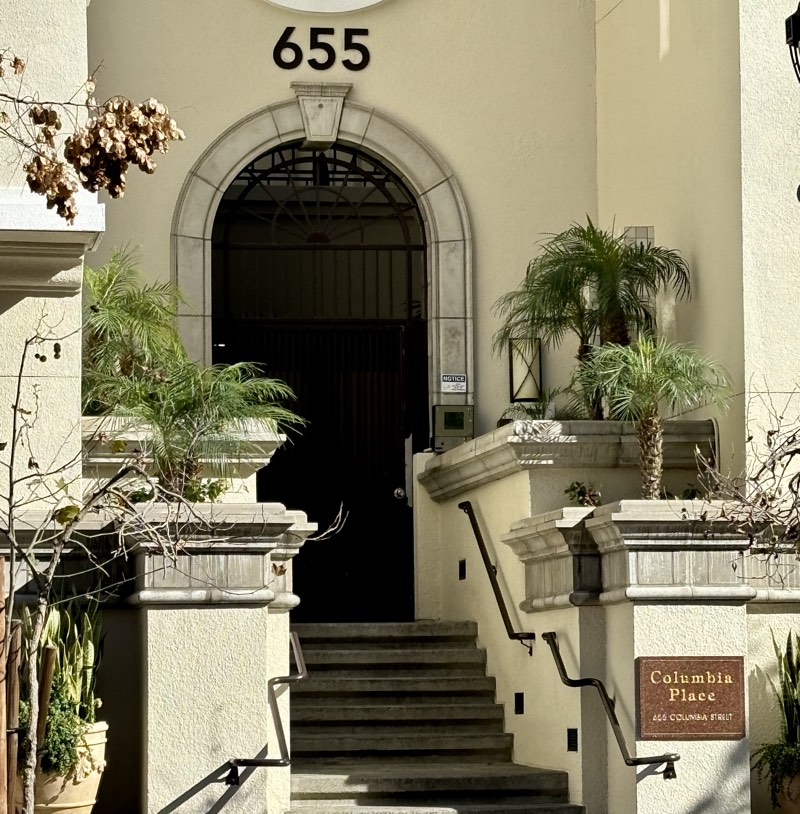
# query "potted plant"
(193, 416)
(637, 381)
(594, 284)
(779, 762)
(71, 756)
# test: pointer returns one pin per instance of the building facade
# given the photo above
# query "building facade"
(360, 183)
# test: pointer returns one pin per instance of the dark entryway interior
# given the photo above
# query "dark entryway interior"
(319, 275)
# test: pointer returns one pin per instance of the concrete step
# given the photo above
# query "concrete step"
(394, 658)
(338, 778)
(399, 671)
(449, 687)
(497, 746)
(426, 808)
(315, 710)
(413, 701)
(475, 727)
(386, 634)
(443, 714)
(401, 719)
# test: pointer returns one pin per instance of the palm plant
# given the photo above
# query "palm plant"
(591, 283)
(198, 415)
(640, 379)
(135, 366)
(128, 327)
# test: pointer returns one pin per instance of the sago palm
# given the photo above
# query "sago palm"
(592, 283)
(640, 380)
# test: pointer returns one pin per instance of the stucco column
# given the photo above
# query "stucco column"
(41, 255)
(670, 589)
(562, 586)
(214, 627)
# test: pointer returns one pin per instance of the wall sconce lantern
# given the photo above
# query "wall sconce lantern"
(525, 369)
(793, 40)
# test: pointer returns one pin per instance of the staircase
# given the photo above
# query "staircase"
(401, 719)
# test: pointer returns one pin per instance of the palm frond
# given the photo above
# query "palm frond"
(200, 414)
(587, 280)
(653, 375)
(128, 325)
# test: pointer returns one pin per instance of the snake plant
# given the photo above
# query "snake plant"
(75, 634)
(780, 761)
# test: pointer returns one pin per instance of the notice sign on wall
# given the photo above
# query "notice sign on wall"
(690, 698)
(454, 382)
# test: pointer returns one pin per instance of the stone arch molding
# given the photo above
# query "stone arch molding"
(441, 203)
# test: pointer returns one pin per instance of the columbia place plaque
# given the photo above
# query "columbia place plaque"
(690, 698)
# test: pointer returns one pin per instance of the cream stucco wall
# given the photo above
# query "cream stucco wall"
(764, 621)
(713, 776)
(512, 112)
(770, 213)
(668, 147)
(50, 35)
(550, 707)
(39, 283)
(205, 702)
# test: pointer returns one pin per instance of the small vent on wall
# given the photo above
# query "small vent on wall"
(572, 740)
(519, 703)
(462, 569)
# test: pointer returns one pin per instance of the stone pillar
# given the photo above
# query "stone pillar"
(562, 577)
(670, 588)
(214, 627)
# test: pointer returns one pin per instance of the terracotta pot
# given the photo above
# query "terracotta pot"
(77, 792)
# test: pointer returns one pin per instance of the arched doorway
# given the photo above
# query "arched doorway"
(449, 257)
(319, 275)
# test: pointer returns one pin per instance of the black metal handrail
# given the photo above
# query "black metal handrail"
(237, 763)
(608, 705)
(523, 638)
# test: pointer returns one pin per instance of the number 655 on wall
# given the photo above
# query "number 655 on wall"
(317, 42)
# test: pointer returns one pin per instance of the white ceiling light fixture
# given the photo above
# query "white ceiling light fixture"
(325, 6)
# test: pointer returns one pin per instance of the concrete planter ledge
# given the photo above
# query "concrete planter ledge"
(224, 554)
(40, 253)
(562, 565)
(222, 525)
(648, 524)
(101, 461)
(668, 551)
(645, 550)
(233, 554)
(529, 445)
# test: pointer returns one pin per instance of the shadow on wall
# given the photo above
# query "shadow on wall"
(9, 299)
(217, 776)
(711, 799)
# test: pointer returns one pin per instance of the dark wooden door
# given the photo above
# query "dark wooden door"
(356, 385)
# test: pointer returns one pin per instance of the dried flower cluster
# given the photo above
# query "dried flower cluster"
(123, 133)
(97, 154)
(15, 64)
(46, 174)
